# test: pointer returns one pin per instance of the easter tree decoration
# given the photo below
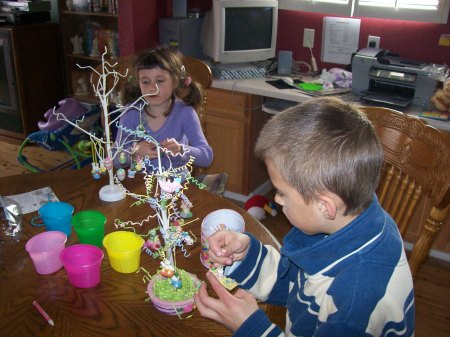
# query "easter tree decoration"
(104, 148)
(171, 289)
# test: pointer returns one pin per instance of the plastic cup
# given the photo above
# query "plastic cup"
(82, 264)
(225, 219)
(56, 216)
(90, 227)
(44, 250)
(124, 250)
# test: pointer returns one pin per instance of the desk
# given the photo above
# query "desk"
(258, 86)
(116, 307)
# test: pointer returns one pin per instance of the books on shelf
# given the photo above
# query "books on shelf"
(26, 6)
(94, 39)
(96, 6)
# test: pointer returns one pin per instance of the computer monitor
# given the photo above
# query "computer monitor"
(240, 31)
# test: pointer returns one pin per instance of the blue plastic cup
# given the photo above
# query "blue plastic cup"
(55, 216)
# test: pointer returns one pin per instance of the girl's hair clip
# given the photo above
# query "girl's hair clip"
(187, 81)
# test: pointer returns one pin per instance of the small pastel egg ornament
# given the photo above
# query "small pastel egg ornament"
(108, 163)
(121, 174)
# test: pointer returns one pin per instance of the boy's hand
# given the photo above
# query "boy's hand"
(226, 247)
(231, 310)
(171, 145)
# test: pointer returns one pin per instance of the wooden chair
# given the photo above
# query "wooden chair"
(416, 166)
(201, 73)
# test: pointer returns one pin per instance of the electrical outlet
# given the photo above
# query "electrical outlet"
(308, 35)
(373, 41)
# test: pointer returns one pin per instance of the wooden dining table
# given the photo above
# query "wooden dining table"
(119, 305)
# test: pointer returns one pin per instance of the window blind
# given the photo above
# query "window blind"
(417, 10)
(412, 4)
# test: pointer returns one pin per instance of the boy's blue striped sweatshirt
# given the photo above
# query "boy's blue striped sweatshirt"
(354, 282)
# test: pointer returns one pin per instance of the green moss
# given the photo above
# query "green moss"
(166, 292)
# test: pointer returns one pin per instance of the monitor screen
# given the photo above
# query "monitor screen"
(248, 28)
(240, 31)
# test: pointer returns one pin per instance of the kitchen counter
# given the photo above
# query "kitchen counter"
(259, 86)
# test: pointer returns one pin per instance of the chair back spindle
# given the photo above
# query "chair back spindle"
(416, 166)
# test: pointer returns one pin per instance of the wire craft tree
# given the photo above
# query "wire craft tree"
(104, 148)
(164, 193)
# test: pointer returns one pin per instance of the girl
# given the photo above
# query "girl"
(169, 116)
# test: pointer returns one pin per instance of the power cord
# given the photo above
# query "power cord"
(313, 59)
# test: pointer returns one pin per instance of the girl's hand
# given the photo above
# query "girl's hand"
(230, 310)
(226, 247)
(147, 149)
(171, 145)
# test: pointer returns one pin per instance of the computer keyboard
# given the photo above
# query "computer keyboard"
(237, 71)
(277, 105)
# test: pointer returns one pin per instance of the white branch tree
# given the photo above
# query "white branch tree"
(106, 149)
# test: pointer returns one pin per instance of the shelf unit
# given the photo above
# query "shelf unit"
(84, 28)
(135, 25)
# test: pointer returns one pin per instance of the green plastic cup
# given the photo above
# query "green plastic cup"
(90, 227)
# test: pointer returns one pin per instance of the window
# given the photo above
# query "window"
(417, 10)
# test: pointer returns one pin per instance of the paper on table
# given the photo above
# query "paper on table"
(32, 201)
(340, 39)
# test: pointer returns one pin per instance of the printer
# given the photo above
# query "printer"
(380, 77)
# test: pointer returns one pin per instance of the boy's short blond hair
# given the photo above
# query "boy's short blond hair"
(325, 144)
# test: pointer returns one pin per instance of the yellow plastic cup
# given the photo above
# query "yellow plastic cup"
(124, 250)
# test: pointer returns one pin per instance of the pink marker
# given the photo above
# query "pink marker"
(43, 313)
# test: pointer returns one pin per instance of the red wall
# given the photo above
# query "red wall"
(412, 40)
(138, 24)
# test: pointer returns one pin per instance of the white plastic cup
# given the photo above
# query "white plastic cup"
(225, 219)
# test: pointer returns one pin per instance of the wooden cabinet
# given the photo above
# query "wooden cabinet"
(129, 27)
(31, 76)
(232, 123)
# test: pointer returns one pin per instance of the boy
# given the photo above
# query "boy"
(342, 270)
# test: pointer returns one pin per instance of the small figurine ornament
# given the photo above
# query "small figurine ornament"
(170, 186)
(167, 269)
(140, 130)
(95, 52)
(95, 171)
(185, 210)
(175, 281)
(131, 173)
(77, 43)
(82, 89)
(122, 158)
(227, 282)
(153, 242)
(102, 168)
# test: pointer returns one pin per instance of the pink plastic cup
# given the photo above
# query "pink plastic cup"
(44, 250)
(82, 263)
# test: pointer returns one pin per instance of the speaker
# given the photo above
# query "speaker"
(179, 8)
(284, 62)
